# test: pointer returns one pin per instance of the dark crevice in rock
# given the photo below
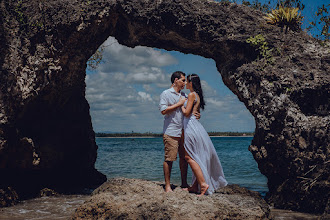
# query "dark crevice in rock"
(312, 101)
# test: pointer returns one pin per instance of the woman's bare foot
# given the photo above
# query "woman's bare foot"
(204, 188)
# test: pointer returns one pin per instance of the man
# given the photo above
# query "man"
(170, 104)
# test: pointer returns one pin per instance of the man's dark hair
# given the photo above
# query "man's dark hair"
(177, 74)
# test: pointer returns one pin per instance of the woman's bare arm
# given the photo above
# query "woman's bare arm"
(188, 109)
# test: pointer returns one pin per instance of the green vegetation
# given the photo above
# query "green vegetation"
(257, 5)
(324, 21)
(24, 21)
(288, 90)
(148, 134)
(94, 61)
(286, 17)
(318, 25)
(20, 16)
(280, 12)
(269, 5)
(19, 12)
(261, 45)
(228, 133)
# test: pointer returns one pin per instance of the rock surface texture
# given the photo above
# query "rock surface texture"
(123, 198)
(45, 126)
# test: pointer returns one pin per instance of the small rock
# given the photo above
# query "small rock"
(47, 192)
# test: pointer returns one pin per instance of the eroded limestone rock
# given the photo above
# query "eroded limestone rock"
(139, 199)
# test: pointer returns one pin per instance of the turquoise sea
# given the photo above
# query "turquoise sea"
(143, 158)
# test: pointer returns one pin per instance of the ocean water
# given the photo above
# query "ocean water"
(143, 158)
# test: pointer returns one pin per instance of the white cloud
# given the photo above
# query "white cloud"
(208, 90)
(148, 88)
(138, 59)
(124, 90)
(123, 93)
(214, 102)
(145, 96)
(157, 76)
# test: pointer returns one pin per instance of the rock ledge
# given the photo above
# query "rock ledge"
(123, 198)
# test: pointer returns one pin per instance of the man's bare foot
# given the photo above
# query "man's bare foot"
(184, 187)
(204, 188)
(168, 189)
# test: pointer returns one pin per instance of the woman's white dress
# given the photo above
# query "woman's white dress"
(200, 148)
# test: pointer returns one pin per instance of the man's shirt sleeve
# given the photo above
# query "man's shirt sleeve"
(163, 102)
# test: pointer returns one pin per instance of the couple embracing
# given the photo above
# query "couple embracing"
(184, 134)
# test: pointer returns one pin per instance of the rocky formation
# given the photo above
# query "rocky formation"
(139, 199)
(45, 127)
(46, 135)
(8, 196)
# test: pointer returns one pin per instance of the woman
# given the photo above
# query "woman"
(200, 152)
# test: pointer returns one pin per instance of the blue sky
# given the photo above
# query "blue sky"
(123, 92)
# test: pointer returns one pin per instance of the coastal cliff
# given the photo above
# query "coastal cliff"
(46, 135)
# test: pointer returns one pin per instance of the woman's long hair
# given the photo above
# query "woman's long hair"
(196, 84)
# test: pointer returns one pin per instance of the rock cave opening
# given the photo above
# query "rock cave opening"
(123, 85)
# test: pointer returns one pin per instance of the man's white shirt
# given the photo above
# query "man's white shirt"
(173, 122)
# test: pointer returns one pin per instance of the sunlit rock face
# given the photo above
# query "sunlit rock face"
(140, 199)
(46, 128)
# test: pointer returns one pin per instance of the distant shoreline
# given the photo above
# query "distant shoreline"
(235, 136)
(131, 137)
(158, 136)
(154, 135)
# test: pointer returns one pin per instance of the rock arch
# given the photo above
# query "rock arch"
(46, 130)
